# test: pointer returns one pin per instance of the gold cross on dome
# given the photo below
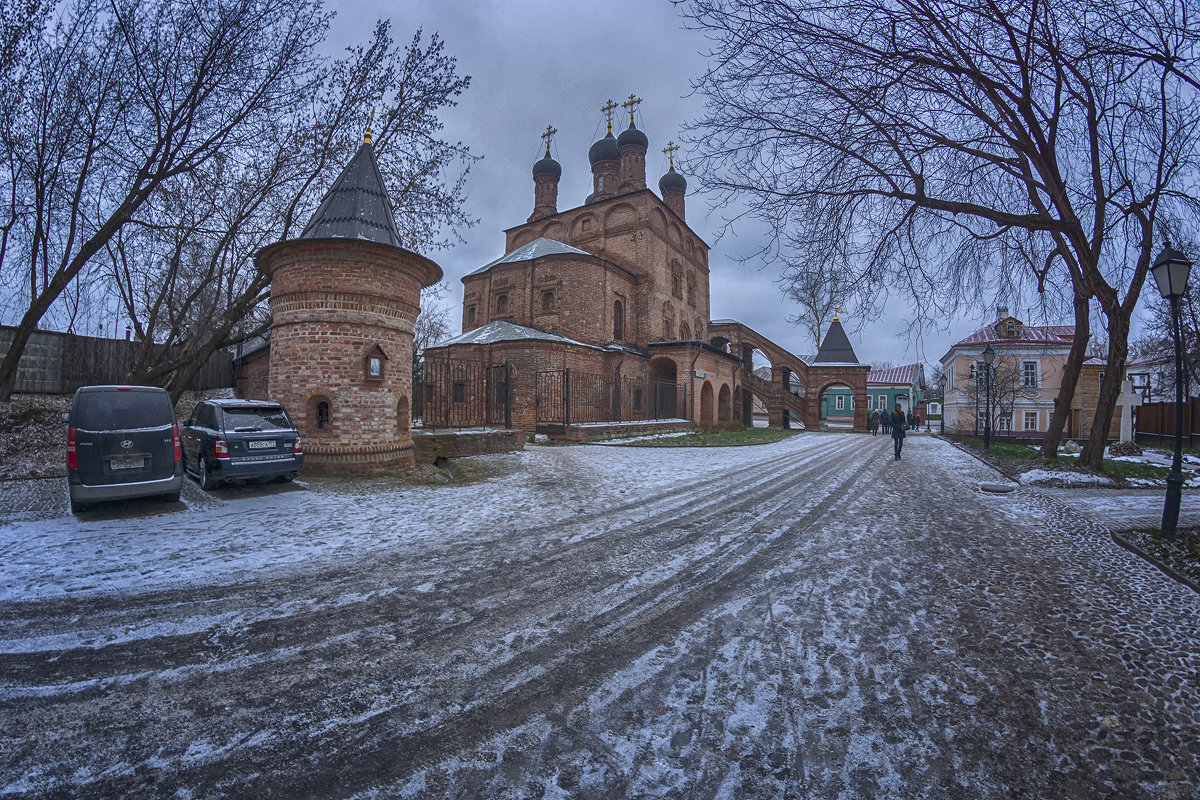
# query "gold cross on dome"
(608, 108)
(631, 104)
(837, 311)
(550, 131)
(370, 123)
(670, 151)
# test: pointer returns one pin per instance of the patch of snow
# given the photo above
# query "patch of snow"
(1045, 475)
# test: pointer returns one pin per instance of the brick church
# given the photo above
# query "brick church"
(600, 313)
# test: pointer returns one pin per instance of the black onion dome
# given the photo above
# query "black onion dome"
(591, 198)
(672, 181)
(547, 166)
(632, 137)
(603, 150)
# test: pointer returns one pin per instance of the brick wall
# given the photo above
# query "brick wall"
(334, 303)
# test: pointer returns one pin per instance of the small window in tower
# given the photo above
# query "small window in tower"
(460, 392)
(691, 289)
(676, 289)
(470, 315)
(547, 301)
(618, 321)
(323, 416)
(501, 304)
(684, 331)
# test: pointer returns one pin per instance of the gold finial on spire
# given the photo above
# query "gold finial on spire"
(631, 104)
(837, 311)
(670, 151)
(608, 109)
(550, 131)
(367, 135)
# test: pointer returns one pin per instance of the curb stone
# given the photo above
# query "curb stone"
(1168, 570)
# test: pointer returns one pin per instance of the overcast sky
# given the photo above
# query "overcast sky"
(535, 63)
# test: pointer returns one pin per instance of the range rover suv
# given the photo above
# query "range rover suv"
(229, 440)
(122, 443)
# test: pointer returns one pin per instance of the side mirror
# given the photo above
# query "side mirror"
(66, 416)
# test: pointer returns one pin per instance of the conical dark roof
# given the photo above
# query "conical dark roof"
(836, 347)
(356, 205)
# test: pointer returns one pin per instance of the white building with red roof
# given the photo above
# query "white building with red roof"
(1027, 372)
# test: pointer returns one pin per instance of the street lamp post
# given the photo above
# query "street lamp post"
(1170, 270)
(942, 381)
(989, 355)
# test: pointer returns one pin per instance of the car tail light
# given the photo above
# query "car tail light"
(178, 447)
(296, 448)
(220, 448)
(72, 459)
(124, 388)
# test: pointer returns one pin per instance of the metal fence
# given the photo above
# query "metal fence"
(567, 397)
(59, 363)
(465, 394)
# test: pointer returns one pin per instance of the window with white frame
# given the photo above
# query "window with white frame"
(1004, 421)
(883, 401)
(1029, 373)
(840, 403)
(1031, 420)
(851, 402)
(870, 403)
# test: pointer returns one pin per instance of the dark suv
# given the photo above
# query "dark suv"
(122, 443)
(238, 440)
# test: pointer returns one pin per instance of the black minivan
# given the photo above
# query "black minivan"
(122, 443)
(239, 440)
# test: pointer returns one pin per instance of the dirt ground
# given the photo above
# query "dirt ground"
(804, 619)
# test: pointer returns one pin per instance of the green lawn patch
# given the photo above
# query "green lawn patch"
(716, 438)
(1014, 458)
(1181, 554)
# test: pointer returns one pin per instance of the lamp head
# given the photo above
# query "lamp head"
(1170, 270)
(989, 355)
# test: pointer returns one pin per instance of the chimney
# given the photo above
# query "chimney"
(1001, 312)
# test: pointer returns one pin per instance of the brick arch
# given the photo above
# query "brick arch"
(556, 231)
(312, 401)
(658, 219)
(724, 405)
(706, 404)
(523, 238)
(577, 230)
(620, 214)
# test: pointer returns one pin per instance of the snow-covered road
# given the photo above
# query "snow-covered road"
(807, 619)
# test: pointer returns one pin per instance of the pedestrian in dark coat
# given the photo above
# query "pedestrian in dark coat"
(873, 423)
(885, 419)
(897, 430)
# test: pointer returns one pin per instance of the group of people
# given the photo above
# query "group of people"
(894, 422)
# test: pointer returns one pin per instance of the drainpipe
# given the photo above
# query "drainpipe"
(617, 383)
(692, 378)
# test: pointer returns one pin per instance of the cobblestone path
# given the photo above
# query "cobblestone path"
(815, 621)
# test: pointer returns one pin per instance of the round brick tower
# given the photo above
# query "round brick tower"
(344, 298)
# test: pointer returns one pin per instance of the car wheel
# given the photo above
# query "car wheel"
(285, 478)
(76, 506)
(171, 497)
(207, 481)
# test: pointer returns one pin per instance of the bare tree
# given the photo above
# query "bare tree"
(432, 326)
(818, 291)
(958, 151)
(186, 273)
(123, 98)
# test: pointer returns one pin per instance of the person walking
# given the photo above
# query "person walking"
(873, 422)
(897, 422)
(885, 419)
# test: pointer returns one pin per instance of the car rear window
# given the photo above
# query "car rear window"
(108, 411)
(255, 419)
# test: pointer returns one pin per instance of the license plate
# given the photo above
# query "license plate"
(127, 462)
(266, 444)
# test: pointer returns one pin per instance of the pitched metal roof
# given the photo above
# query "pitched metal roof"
(539, 247)
(836, 347)
(356, 205)
(1043, 334)
(504, 331)
(898, 376)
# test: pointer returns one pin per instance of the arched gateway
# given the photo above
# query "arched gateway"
(796, 386)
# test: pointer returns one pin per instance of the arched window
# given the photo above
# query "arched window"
(676, 289)
(618, 321)
(323, 422)
(501, 304)
(668, 322)
(403, 415)
(684, 331)
(470, 315)
(691, 289)
(547, 301)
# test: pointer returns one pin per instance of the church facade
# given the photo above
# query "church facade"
(600, 313)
